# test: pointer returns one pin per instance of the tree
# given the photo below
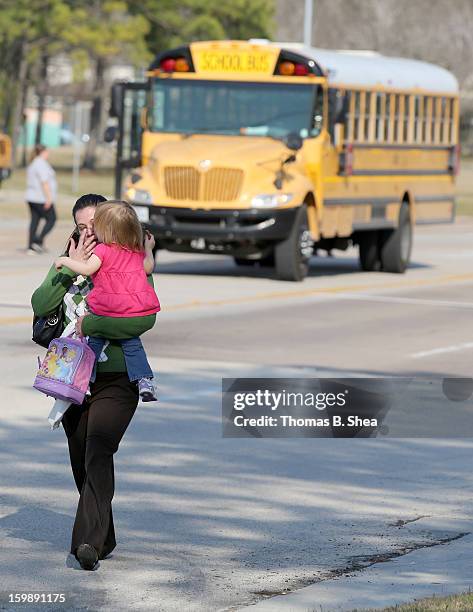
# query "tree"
(173, 24)
(28, 34)
(100, 31)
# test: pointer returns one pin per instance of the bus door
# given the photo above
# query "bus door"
(128, 104)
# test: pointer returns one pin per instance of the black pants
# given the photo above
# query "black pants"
(94, 431)
(37, 213)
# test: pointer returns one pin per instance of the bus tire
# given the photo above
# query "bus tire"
(242, 261)
(264, 262)
(292, 255)
(369, 251)
(396, 245)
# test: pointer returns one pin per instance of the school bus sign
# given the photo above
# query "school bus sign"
(232, 60)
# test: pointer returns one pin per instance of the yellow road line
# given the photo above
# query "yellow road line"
(15, 320)
(281, 295)
(321, 290)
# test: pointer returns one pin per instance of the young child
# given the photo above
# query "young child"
(118, 268)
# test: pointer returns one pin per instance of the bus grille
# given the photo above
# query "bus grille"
(215, 185)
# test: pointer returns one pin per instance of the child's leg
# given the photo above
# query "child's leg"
(138, 368)
(135, 358)
(96, 344)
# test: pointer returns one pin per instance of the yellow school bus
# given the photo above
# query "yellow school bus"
(268, 152)
(5, 157)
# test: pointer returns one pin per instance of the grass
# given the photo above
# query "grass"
(464, 187)
(97, 181)
(452, 603)
(462, 602)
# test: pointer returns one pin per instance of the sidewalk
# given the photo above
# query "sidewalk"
(441, 570)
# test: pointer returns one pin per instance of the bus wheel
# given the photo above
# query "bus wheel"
(369, 251)
(241, 261)
(292, 255)
(264, 262)
(396, 245)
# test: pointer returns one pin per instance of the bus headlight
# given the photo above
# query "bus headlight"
(142, 196)
(271, 200)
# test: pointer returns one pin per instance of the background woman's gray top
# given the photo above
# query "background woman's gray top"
(40, 171)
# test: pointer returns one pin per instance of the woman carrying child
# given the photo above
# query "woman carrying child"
(94, 429)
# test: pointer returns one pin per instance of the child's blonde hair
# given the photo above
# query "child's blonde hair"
(115, 222)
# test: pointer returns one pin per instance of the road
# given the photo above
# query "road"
(206, 523)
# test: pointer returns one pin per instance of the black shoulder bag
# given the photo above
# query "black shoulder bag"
(49, 327)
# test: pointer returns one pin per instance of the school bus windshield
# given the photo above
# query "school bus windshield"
(234, 108)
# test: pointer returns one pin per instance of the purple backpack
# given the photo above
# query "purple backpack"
(65, 371)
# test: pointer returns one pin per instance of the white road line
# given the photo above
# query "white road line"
(401, 300)
(440, 351)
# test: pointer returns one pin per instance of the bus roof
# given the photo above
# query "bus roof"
(371, 69)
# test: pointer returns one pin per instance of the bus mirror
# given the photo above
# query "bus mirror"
(293, 141)
(116, 100)
(110, 133)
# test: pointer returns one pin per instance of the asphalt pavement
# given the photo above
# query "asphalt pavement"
(210, 523)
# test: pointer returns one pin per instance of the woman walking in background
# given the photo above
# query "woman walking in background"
(41, 192)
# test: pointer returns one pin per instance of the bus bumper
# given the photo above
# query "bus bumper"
(217, 225)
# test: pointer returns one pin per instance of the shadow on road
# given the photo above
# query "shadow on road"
(199, 516)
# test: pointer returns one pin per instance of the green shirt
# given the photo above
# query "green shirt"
(66, 287)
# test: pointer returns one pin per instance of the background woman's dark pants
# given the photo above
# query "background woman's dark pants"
(94, 431)
(38, 213)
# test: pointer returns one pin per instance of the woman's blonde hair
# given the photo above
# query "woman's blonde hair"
(115, 222)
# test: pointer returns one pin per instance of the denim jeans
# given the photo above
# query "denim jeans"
(136, 361)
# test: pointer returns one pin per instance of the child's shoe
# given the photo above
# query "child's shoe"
(146, 390)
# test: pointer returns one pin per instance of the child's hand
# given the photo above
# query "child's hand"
(149, 241)
(58, 263)
(79, 326)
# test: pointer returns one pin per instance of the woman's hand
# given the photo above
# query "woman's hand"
(84, 247)
(59, 263)
(79, 326)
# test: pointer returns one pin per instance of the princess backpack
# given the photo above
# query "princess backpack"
(65, 371)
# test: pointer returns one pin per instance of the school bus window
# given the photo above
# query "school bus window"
(356, 115)
(451, 122)
(273, 109)
(394, 116)
(399, 119)
(433, 121)
(427, 120)
(411, 101)
(406, 119)
(444, 125)
(387, 119)
(379, 117)
(363, 109)
(367, 117)
(350, 120)
(318, 116)
(419, 116)
(336, 102)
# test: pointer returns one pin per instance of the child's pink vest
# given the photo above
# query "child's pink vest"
(65, 371)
